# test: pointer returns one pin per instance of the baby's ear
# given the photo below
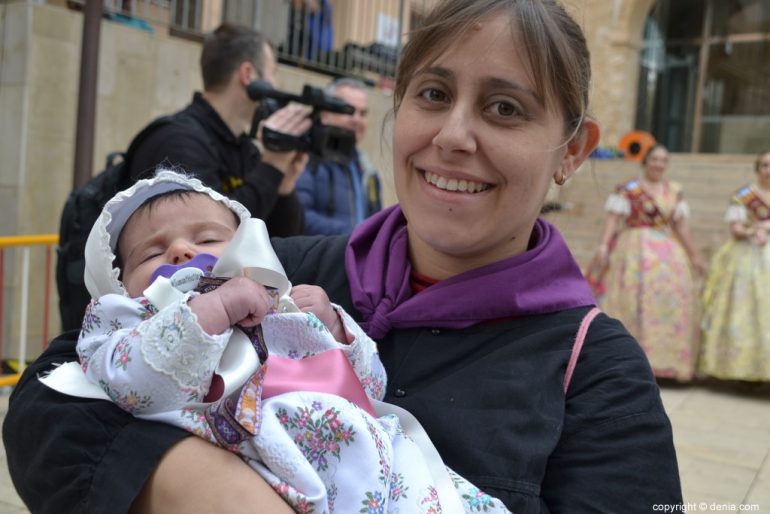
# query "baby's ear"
(580, 146)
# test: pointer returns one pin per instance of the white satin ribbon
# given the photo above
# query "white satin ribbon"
(445, 488)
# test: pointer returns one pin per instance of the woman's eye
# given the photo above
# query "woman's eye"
(505, 109)
(433, 95)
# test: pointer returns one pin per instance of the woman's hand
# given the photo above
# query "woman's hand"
(196, 477)
(698, 264)
(602, 256)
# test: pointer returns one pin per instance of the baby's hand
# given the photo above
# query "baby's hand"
(239, 301)
(314, 299)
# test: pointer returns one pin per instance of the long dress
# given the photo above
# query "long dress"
(736, 325)
(649, 283)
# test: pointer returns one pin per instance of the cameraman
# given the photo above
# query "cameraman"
(337, 196)
(209, 137)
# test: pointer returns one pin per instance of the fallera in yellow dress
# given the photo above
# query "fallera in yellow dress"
(736, 322)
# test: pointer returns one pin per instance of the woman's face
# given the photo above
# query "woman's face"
(474, 152)
(656, 164)
(763, 171)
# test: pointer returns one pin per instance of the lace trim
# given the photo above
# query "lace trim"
(174, 344)
(106, 258)
(736, 214)
(618, 204)
(681, 211)
(363, 356)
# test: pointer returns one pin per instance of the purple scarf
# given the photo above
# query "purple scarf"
(543, 279)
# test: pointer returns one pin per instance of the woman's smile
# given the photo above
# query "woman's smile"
(454, 184)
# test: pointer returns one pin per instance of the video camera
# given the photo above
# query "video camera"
(324, 141)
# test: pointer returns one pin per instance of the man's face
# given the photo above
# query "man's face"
(269, 67)
(356, 121)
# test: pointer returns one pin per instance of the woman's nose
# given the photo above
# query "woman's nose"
(456, 132)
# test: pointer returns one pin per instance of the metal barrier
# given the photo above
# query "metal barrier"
(357, 38)
(361, 39)
(25, 243)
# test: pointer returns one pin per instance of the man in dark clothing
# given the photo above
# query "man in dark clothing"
(337, 197)
(208, 139)
(216, 147)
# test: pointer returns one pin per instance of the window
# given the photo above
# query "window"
(704, 82)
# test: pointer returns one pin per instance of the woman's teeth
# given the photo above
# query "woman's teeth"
(452, 184)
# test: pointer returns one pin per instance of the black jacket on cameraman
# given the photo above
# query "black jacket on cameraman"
(227, 163)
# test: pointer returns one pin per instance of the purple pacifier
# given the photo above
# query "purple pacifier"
(185, 276)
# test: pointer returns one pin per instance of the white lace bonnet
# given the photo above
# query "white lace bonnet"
(100, 276)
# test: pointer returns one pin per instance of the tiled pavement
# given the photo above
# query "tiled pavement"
(721, 432)
(722, 437)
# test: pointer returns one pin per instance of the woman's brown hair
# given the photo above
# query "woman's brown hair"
(555, 46)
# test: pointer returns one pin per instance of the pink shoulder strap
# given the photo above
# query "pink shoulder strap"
(579, 339)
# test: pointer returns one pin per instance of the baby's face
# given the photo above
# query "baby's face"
(172, 231)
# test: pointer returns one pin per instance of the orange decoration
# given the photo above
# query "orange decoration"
(635, 144)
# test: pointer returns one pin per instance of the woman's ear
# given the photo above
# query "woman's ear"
(581, 146)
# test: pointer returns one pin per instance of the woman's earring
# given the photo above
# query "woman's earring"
(560, 179)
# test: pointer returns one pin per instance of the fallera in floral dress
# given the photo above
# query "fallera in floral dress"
(649, 283)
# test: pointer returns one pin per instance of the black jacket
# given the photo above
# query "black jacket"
(490, 397)
(224, 162)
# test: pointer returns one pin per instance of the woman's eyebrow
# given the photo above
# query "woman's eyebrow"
(436, 70)
(487, 82)
(499, 83)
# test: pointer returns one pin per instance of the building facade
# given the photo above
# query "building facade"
(695, 73)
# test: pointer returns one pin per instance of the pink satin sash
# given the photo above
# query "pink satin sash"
(328, 372)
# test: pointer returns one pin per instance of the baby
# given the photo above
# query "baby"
(196, 325)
